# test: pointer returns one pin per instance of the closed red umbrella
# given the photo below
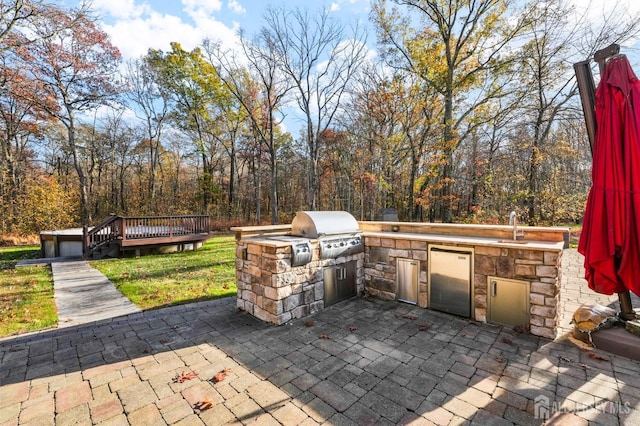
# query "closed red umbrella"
(610, 236)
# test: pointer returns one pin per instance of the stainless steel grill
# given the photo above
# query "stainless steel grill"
(337, 232)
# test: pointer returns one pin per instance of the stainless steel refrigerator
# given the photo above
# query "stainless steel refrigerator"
(450, 281)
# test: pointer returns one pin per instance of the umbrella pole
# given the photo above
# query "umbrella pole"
(587, 90)
(626, 309)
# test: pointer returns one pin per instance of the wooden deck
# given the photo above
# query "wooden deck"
(131, 233)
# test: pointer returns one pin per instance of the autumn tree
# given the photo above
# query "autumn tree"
(47, 205)
(461, 50)
(547, 87)
(320, 58)
(12, 15)
(21, 121)
(23, 99)
(77, 65)
(20, 22)
(395, 114)
(198, 97)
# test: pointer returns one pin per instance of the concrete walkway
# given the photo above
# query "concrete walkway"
(359, 362)
(83, 295)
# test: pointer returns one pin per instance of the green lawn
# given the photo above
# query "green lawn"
(26, 294)
(162, 280)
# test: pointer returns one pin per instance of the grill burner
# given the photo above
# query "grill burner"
(336, 246)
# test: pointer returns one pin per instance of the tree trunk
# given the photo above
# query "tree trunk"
(85, 214)
(447, 169)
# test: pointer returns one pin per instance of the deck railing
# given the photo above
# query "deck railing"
(128, 229)
(104, 233)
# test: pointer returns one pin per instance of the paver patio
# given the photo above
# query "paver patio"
(363, 361)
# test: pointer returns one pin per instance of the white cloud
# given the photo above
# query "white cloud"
(595, 9)
(236, 7)
(120, 9)
(192, 7)
(334, 7)
(134, 27)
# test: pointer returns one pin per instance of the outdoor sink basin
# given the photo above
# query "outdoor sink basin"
(513, 241)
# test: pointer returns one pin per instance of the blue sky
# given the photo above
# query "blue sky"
(137, 25)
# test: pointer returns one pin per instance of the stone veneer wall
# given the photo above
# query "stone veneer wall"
(540, 268)
(274, 291)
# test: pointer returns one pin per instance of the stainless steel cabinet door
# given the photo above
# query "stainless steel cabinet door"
(450, 281)
(407, 280)
(339, 282)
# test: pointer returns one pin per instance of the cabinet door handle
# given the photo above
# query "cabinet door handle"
(494, 288)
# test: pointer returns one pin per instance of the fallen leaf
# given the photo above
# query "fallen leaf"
(410, 316)
(565, 359)
(500, 359)
(598, 357)
(325, 336)
(181, 378)
(585, 366)
(308, 324)
(507, 340)
(205, 404)
(219, 377)
(352, 328)
(423, 327)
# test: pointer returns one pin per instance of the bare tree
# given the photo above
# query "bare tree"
(321, 59)
(152, 101)
(260, 89)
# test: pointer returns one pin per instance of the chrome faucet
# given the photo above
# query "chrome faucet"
(513, 221)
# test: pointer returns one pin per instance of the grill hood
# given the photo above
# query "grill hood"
(315, 224)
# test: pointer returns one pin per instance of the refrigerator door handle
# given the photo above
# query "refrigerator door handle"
(494, 288)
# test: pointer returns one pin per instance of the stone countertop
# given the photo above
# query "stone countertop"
(470, 240)
(286, 240)
(273, 240)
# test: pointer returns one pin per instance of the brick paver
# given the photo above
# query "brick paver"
(376, 366)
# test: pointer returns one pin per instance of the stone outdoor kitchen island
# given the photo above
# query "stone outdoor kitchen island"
(275, 286)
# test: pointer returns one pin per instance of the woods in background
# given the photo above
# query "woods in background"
(468, 111)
